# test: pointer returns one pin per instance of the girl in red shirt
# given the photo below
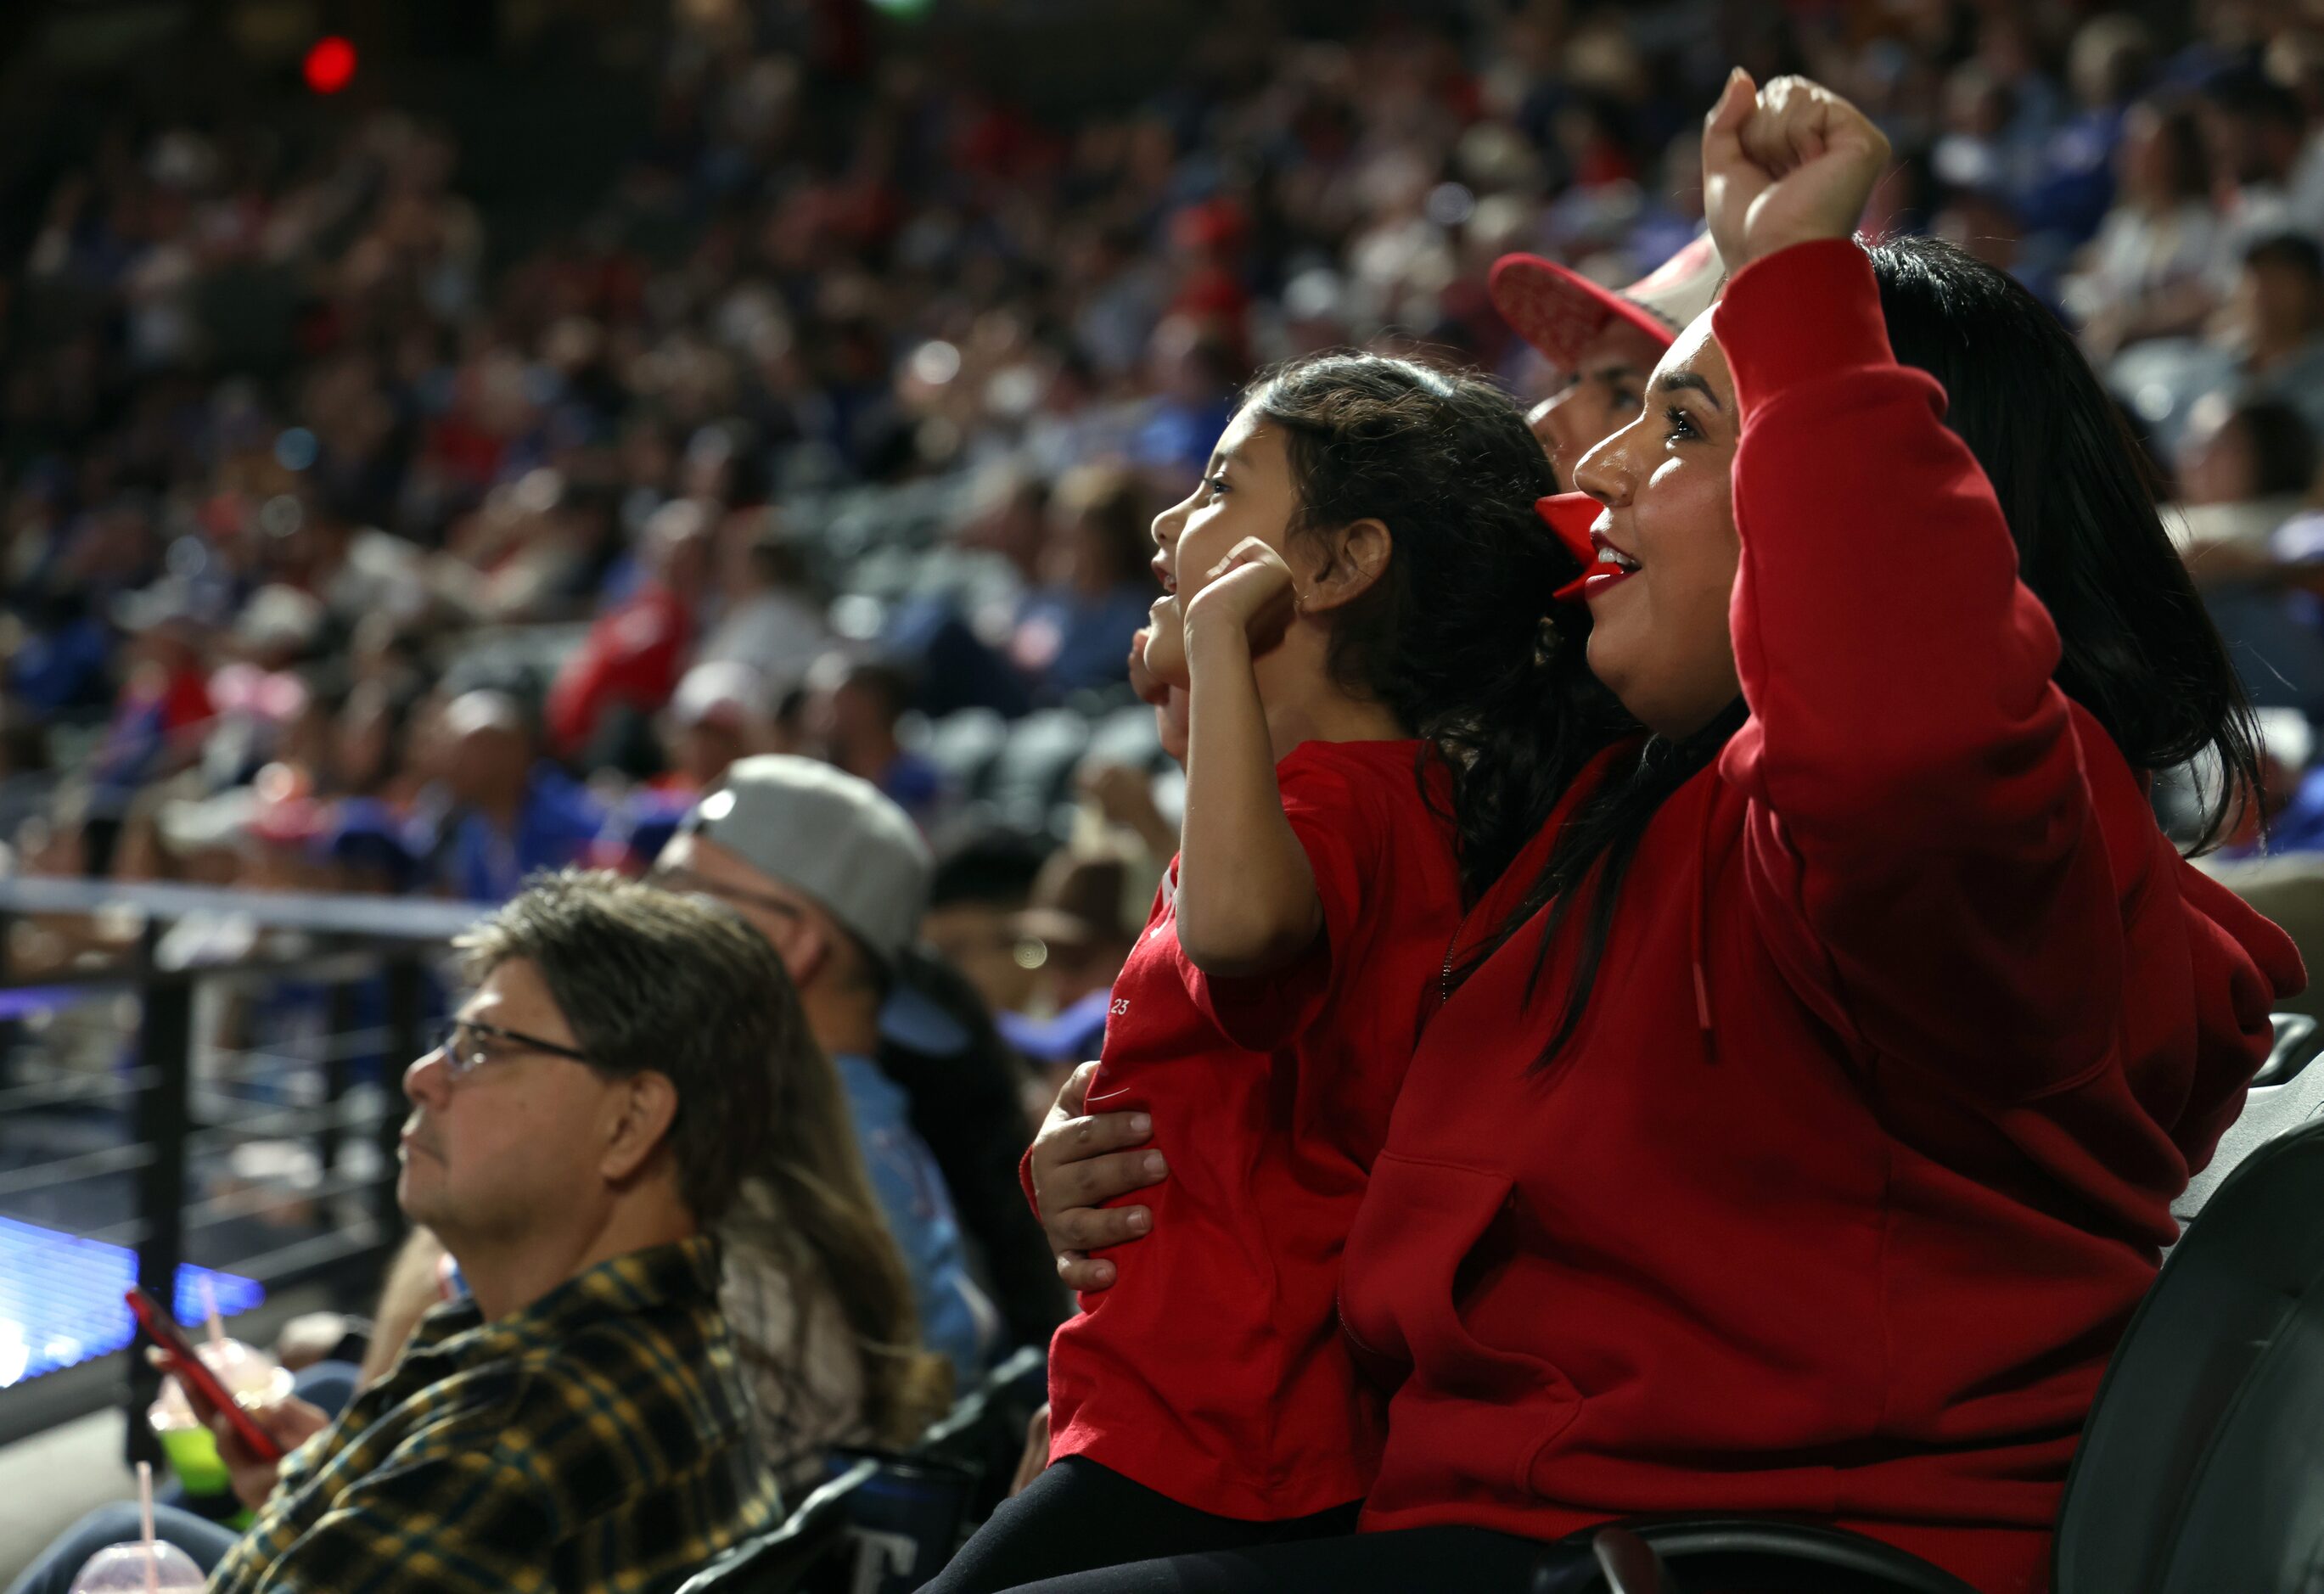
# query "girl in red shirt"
(1803, 1130)
(1353, 594)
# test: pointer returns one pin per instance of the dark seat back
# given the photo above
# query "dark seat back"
(984, 1433)
(2297, 1040)
(2201, 1468)
(905, 1521)
(1033, 772)
(1754, 1555)
(2285, 1093)
(781, 1560)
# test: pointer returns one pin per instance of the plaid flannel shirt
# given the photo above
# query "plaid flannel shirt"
(600, 1439)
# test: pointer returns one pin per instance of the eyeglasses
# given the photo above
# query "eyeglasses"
(465, 1052)
(687, 881)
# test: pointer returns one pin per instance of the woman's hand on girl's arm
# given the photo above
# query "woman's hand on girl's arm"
(1790, 163)
(1246, 902)
(1078, 1162)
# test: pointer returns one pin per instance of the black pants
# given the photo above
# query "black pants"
(1085, 1529)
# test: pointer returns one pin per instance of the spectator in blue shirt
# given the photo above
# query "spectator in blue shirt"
(2073, 185)
(60, 664)
(836, 876)
(513, 814)
(1073, 631)
(855, 712)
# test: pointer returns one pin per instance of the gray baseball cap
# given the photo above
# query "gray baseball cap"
(827, 833)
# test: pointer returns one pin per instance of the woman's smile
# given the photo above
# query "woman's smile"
(1610, 569)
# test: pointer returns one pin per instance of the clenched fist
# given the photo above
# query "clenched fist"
(1790, 163)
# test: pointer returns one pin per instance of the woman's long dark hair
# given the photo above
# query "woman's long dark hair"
(2138, 649)
(1450, 636)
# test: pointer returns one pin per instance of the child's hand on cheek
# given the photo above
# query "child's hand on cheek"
(1157, 655)
(1248, 594)
(1157, 674)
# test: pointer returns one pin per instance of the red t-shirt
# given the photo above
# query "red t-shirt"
(1213, 1371)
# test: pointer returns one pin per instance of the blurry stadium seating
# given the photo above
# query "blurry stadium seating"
(1034, 773)
(778, 1561)
(876, 1524)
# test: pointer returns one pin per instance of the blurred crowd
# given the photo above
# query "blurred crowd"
(344, 549)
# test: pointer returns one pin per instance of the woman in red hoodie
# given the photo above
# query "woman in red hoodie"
(1804, 1129)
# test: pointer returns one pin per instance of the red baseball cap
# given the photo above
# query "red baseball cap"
(1558, 310)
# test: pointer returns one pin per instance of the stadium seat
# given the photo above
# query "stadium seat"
(2199, 1469)
(2202, 1468)
(781, 1560)
(966, 745)
(984, 1433)
(905, 1521)
(1746, 1555)
(886, 1522)
(2297, 1040)
(1035, 771)
(2284, 1094)
(1129, 736)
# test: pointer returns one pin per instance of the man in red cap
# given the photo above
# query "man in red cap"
(1602, 342)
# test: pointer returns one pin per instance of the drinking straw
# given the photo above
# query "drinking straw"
(145, 1519)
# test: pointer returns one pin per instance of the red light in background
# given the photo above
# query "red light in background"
(330, 65)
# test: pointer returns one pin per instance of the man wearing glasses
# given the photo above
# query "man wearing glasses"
(577, 1420)
(833, 876)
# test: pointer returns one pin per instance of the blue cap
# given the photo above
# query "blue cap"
(1074, 1034)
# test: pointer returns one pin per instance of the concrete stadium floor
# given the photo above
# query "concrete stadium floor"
(47, 1482)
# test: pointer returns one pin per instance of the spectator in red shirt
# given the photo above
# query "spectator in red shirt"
(635, 651)
(1600, 344)
(164, 703)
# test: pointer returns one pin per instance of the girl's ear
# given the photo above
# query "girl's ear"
(1353, 560)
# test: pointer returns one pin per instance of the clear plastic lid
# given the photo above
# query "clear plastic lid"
(132, 1569)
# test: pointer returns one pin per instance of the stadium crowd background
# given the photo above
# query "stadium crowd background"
(843, 406)
(361, 531)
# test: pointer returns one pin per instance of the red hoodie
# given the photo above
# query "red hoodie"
(1911, 1024)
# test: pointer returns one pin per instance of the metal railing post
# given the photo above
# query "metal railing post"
(141, 1165)
(7, 1026)
(163, 1118)
(339, 1023)
(406, 994)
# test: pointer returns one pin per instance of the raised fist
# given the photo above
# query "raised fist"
(1786, 164)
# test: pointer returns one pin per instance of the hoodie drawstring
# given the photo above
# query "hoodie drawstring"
(1698, 929)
